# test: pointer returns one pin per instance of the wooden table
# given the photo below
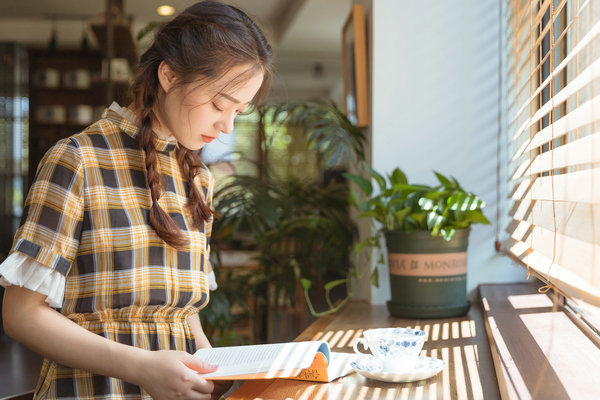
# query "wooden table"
(461, 342)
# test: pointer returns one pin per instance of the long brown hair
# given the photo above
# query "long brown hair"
(199, 45)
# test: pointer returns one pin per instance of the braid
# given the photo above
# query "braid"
(166, 228)
(197, 205)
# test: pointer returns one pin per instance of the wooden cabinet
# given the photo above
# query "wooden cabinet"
(67, 92)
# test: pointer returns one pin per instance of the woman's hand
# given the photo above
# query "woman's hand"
(173, 375)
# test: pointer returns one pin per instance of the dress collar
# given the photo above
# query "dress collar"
(127, 122)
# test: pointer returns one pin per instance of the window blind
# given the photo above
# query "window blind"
(551, 89)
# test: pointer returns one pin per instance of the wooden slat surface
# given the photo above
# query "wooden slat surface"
(538, 352)
(461, 342)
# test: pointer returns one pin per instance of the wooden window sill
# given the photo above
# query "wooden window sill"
(538, 352)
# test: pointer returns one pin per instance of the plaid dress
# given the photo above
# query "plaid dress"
(86, 216)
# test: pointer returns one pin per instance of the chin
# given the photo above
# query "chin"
(193, 146)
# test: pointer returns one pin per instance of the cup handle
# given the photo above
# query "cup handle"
(364, 343)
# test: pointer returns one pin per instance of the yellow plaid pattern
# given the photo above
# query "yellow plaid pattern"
(86, 216)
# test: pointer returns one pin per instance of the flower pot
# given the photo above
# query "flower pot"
(428, 275)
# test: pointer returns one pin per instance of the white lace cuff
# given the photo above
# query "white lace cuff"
(20, 270)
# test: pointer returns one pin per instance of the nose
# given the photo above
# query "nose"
(225, 124)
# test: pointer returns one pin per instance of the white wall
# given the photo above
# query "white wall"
(435, 107)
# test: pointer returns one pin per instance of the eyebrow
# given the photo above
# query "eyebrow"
(232, 99)
(228, 97)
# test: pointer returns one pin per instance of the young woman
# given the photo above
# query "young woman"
(110, 265)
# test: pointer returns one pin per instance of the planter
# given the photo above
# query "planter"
(428, 275)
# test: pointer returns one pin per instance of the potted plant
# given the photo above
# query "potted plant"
(426, 230)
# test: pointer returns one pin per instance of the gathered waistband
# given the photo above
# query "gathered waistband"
(154, 314)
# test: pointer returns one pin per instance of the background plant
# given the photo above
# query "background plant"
(301, 227)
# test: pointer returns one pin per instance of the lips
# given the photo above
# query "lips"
(207, 139)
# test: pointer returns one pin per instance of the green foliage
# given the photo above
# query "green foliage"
(398, 205)
(216, 317)
(303, 230)
(327, 130)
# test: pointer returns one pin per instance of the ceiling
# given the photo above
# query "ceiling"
(304, 33)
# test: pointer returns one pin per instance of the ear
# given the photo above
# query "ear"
(166, 76)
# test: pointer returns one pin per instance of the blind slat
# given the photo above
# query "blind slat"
(572, 219)
(576, 256)
(585, 114)
(585, 150)
(570, 283)
(576, 187)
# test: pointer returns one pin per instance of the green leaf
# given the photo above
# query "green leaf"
(447, 234)
(418, 217)
(370, 213)
(378, 178)
(464, 202)
(333, 156)
(436, 195)
(400, 215)
(395, 202)
(475, 217)
(315, 134)
(434, 222)
(306, 283)
(456, 183)
(443, 180)
(397, 177)
(330, 285)
(354, 200)
(410, 188)
(375, 277)
(368, 242)
(362, 183)
(427, 204)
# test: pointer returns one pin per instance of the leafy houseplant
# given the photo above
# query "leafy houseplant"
(426, 231)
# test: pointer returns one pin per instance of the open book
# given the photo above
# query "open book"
(311, 361)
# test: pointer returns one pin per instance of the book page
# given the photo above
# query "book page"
(339, 365)
(279, 359)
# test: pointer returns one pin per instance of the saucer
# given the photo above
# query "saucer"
(424, 367)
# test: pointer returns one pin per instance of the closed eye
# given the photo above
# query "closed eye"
(216, 107)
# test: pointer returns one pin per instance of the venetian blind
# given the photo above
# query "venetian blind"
(551, 84)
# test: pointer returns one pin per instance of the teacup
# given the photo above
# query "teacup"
(395, 348)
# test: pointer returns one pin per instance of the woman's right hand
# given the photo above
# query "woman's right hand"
(173, 375)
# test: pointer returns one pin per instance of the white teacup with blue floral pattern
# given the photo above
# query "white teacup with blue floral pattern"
(396, 348)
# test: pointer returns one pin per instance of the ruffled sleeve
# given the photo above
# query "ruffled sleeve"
(21, 270)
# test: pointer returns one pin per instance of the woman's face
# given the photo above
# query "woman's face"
(197, 114)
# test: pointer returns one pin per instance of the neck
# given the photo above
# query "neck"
(156, 126)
